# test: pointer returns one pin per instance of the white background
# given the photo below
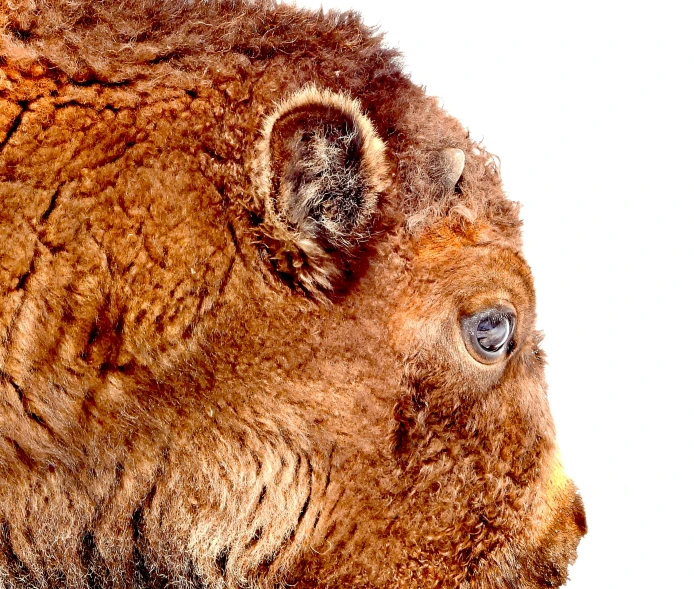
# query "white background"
(590, 108)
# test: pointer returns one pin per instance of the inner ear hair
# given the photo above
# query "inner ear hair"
(324, 169)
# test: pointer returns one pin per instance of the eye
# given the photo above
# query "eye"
(489, 334)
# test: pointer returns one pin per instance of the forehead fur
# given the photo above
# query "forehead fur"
(171, 41)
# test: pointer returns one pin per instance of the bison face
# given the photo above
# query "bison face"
(264, 317)
(422, 379)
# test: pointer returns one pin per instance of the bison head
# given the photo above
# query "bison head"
(264, 316)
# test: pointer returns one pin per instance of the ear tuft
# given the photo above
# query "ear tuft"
(321, 173)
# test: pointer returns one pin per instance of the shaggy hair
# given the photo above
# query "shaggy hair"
(238, 247)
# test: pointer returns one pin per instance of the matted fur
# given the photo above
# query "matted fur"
(183, 399)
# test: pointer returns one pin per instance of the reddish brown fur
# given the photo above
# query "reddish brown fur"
(176, 404)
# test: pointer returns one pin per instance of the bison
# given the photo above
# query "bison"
(264, 316)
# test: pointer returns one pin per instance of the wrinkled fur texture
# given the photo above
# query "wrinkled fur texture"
(222, 367)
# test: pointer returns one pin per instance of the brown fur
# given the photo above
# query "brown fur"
(200, 385)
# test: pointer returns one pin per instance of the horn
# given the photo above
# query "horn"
(452, 165)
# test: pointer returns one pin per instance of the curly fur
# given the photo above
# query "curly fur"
(202, 381)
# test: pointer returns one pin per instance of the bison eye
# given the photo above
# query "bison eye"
(489, 334)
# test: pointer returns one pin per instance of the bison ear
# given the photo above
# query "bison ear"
(323, 171)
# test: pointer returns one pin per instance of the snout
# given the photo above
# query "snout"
(553, 548)
(579, 515)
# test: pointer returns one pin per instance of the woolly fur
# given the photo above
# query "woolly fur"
(221, 368)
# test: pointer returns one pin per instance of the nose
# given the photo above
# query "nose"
(564, 505)
(579, 514)
(555, 546)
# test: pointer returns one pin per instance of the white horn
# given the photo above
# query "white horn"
(452, 165)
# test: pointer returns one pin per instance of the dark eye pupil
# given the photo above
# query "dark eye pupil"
(493, 332)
